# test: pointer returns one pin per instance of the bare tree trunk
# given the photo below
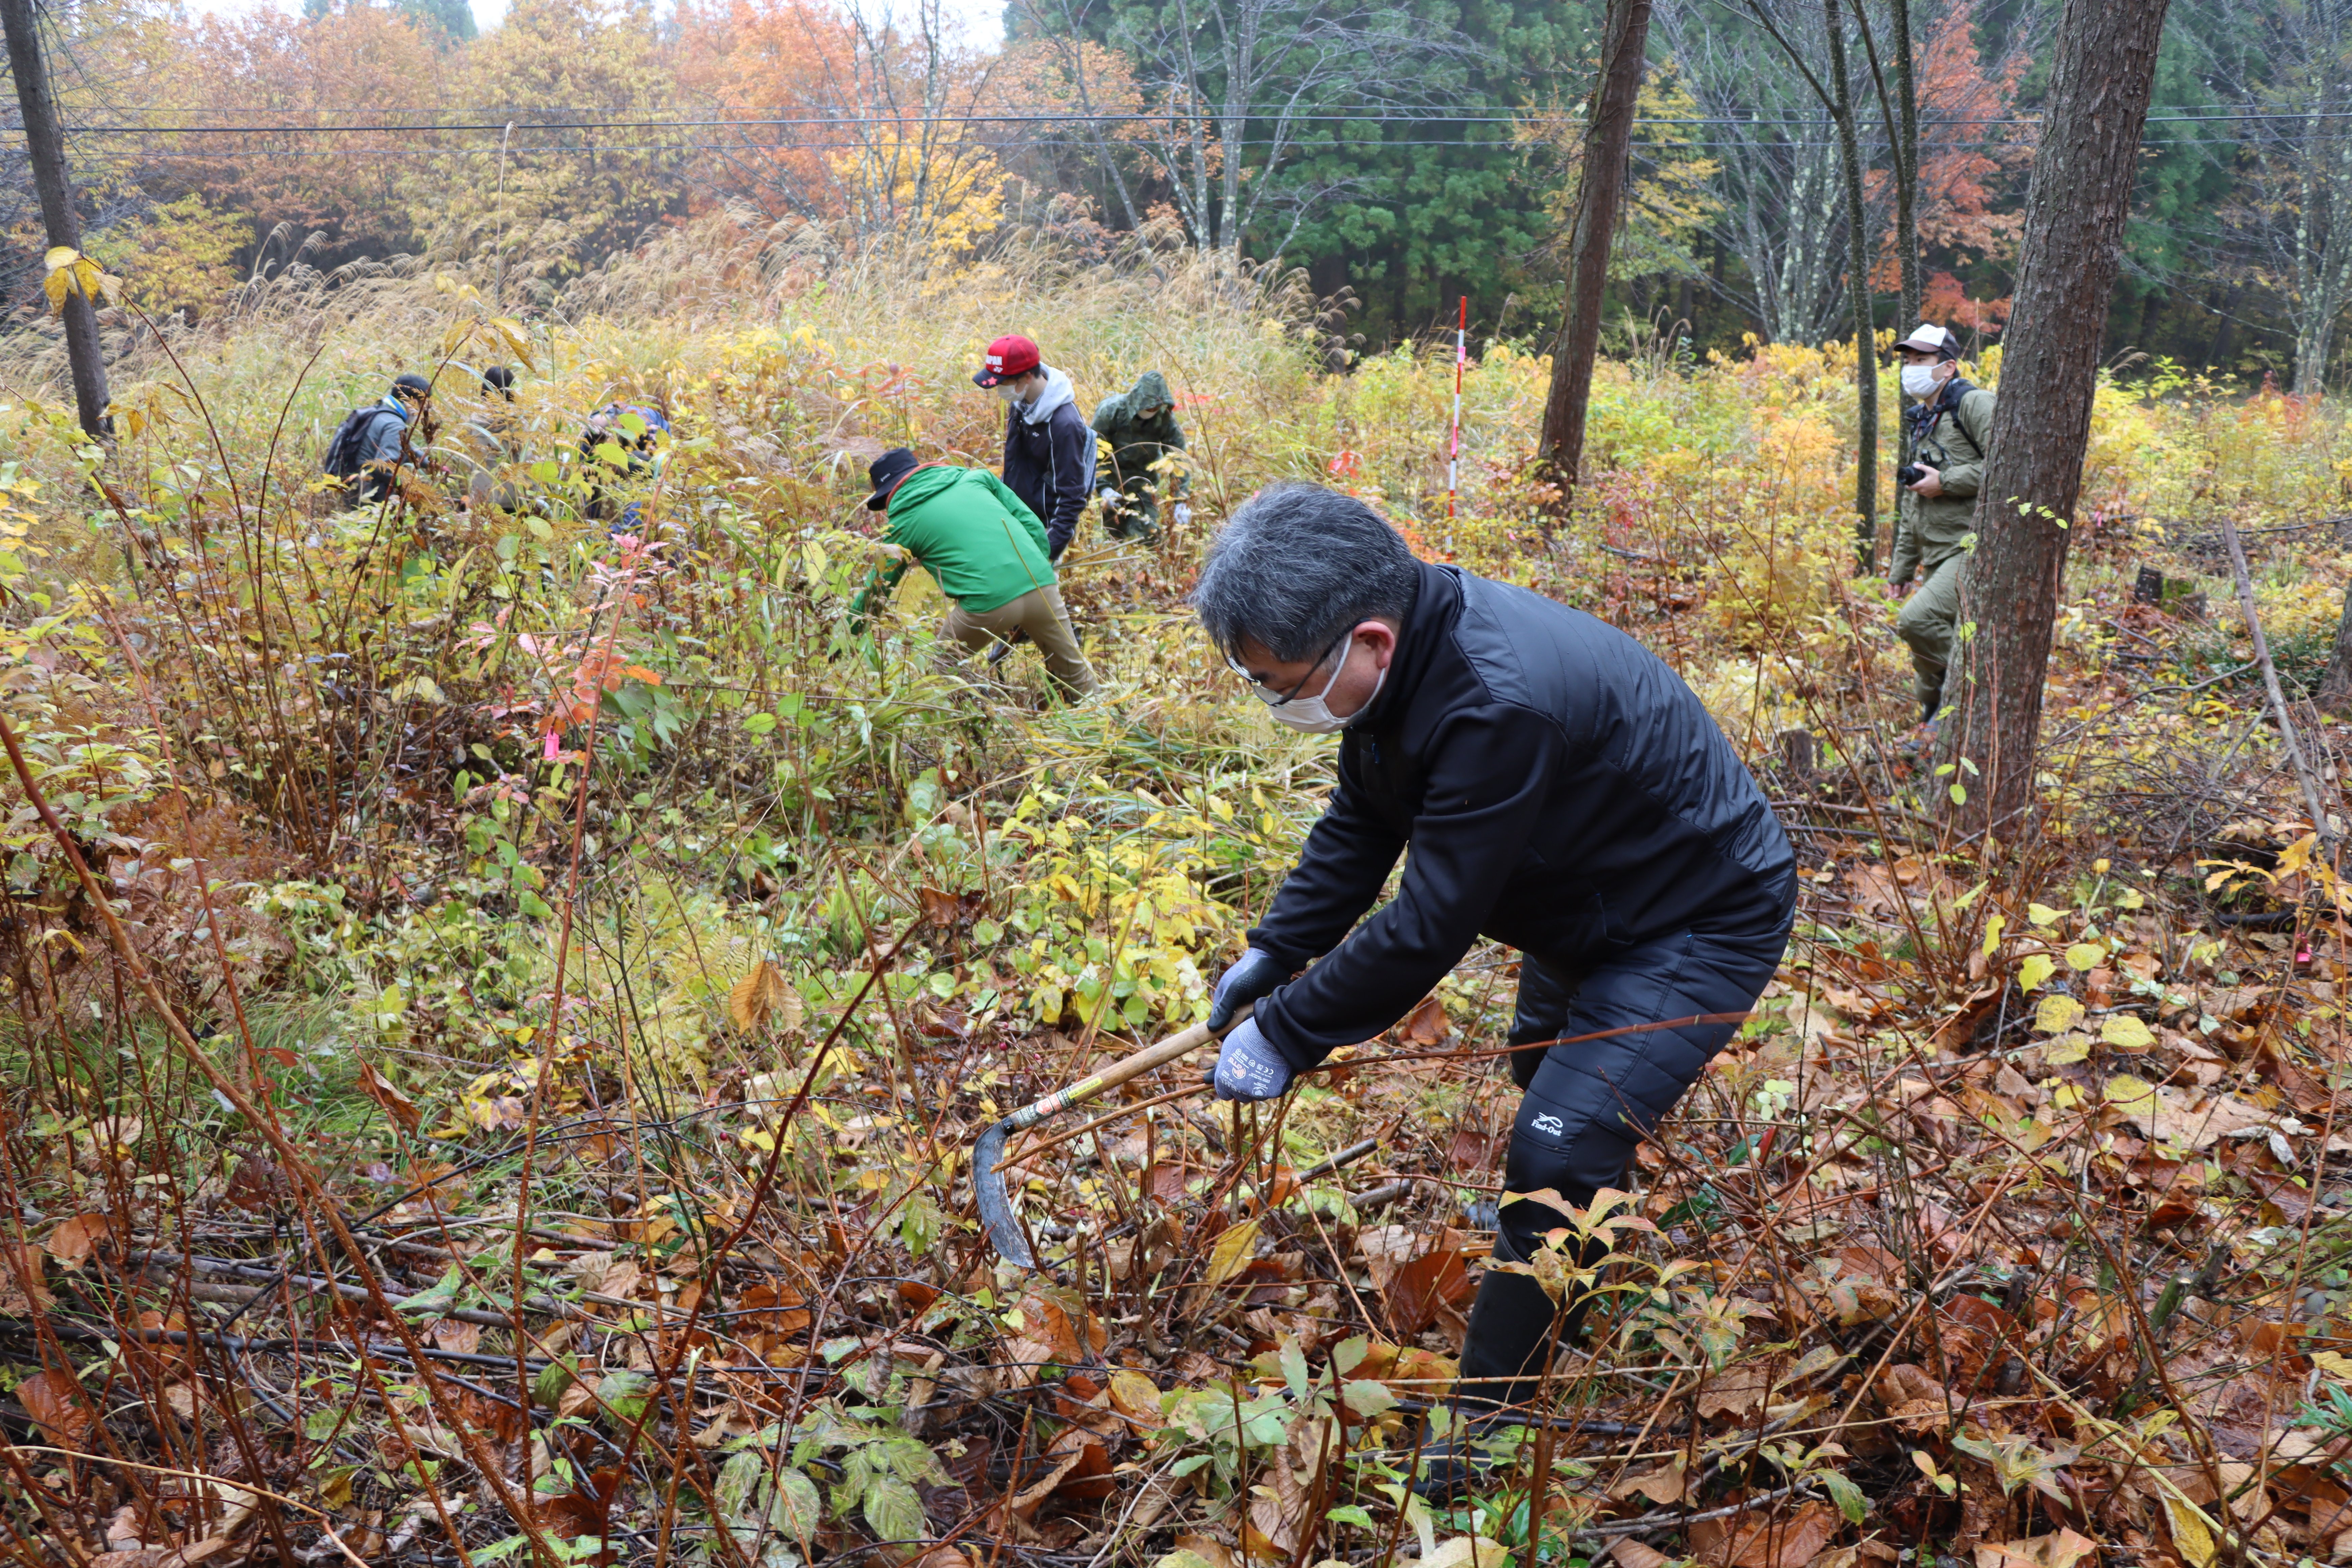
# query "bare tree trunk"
(2075, 214)
(2335, 694)
(45, 141)
(1902, 119)
(1901, 115)
(1906, 165)
(1600, 196)
(1857, 288)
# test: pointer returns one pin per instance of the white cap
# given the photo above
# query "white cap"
(1929, 339)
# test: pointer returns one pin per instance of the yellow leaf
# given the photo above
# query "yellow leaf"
(1233, 1252)
(2335, 1364)
(2125, 1089)
(2126, 1033)
(2056, 1014)
(2297, 855)
(70, 273)
(2086, 955)
(2067, 1050)
(2043, 915)
(2035, 971)
(517, 336)
(1136, 1396)
(2191, 1537)
(1994, 925)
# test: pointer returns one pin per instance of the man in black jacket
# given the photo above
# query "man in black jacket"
(1562, 792)
(1049, 449)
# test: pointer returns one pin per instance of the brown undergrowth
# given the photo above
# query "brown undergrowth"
(515, 1097)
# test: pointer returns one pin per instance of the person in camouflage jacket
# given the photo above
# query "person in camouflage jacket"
(1949, 428)
(1139, 427)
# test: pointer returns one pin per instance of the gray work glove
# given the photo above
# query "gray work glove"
(1183, 513)
(1252, 978)
(1248, 1067)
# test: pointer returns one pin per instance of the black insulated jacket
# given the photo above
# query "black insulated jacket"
(1049, 460)
(1561, 792)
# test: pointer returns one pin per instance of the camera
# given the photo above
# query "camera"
(1909, 474)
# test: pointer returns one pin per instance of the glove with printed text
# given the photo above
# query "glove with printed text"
(1248, 1067)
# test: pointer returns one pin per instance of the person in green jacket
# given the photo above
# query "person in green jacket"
(987, 551)
(1949, 428)
(1139, 427)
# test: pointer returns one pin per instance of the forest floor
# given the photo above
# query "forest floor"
(507, 1081)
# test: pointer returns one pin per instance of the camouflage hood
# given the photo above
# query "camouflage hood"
(1150, 391)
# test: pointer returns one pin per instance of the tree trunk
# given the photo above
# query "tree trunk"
(2075, 213)
(1865, 337)
(1906, 165)
(2335, 694)
(2225, 332)
(1600, 196)
(1906, 138)
(45, 143)
(2311, 347)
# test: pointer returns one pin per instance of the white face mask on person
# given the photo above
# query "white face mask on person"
(1313, 715)
(1008, 391)
(1919, 380)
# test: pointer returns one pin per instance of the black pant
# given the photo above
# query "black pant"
(1588, 1105)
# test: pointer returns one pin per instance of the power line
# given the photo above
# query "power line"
(1308, 149)
(521, 120)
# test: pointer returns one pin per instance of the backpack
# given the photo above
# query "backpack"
(343, 460)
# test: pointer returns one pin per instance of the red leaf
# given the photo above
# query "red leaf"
(1416, 1291)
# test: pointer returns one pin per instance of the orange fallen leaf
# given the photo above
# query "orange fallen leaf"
(56, 1402)
(395, 1104)
(1763, 1542)
(2063, 1549)
(74, 1240)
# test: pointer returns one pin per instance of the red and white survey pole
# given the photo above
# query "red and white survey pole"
(1454, 443)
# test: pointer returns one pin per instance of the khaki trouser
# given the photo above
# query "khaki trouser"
(1927, 623)
(1039, 614)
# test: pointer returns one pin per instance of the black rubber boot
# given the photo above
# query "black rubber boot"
(1508, 1343)
(1503, 1354)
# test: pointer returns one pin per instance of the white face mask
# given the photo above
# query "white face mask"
(1008, 391)
(1313, 715)
(1919, 380)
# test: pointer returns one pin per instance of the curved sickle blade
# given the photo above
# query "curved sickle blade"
(988, 1184)
(996, 1215)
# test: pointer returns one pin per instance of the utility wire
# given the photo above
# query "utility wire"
(595, 150)
(1382, 116)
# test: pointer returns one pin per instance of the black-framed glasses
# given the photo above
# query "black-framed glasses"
(1266, 693)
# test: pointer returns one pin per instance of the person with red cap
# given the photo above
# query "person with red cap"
(1049, 447)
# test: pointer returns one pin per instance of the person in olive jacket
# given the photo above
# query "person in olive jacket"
(1948, 427)
(1139, 428)
(987, 551)
(1560, 791)
(1049, 451)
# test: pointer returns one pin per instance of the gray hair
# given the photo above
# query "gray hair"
(1297, 565)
